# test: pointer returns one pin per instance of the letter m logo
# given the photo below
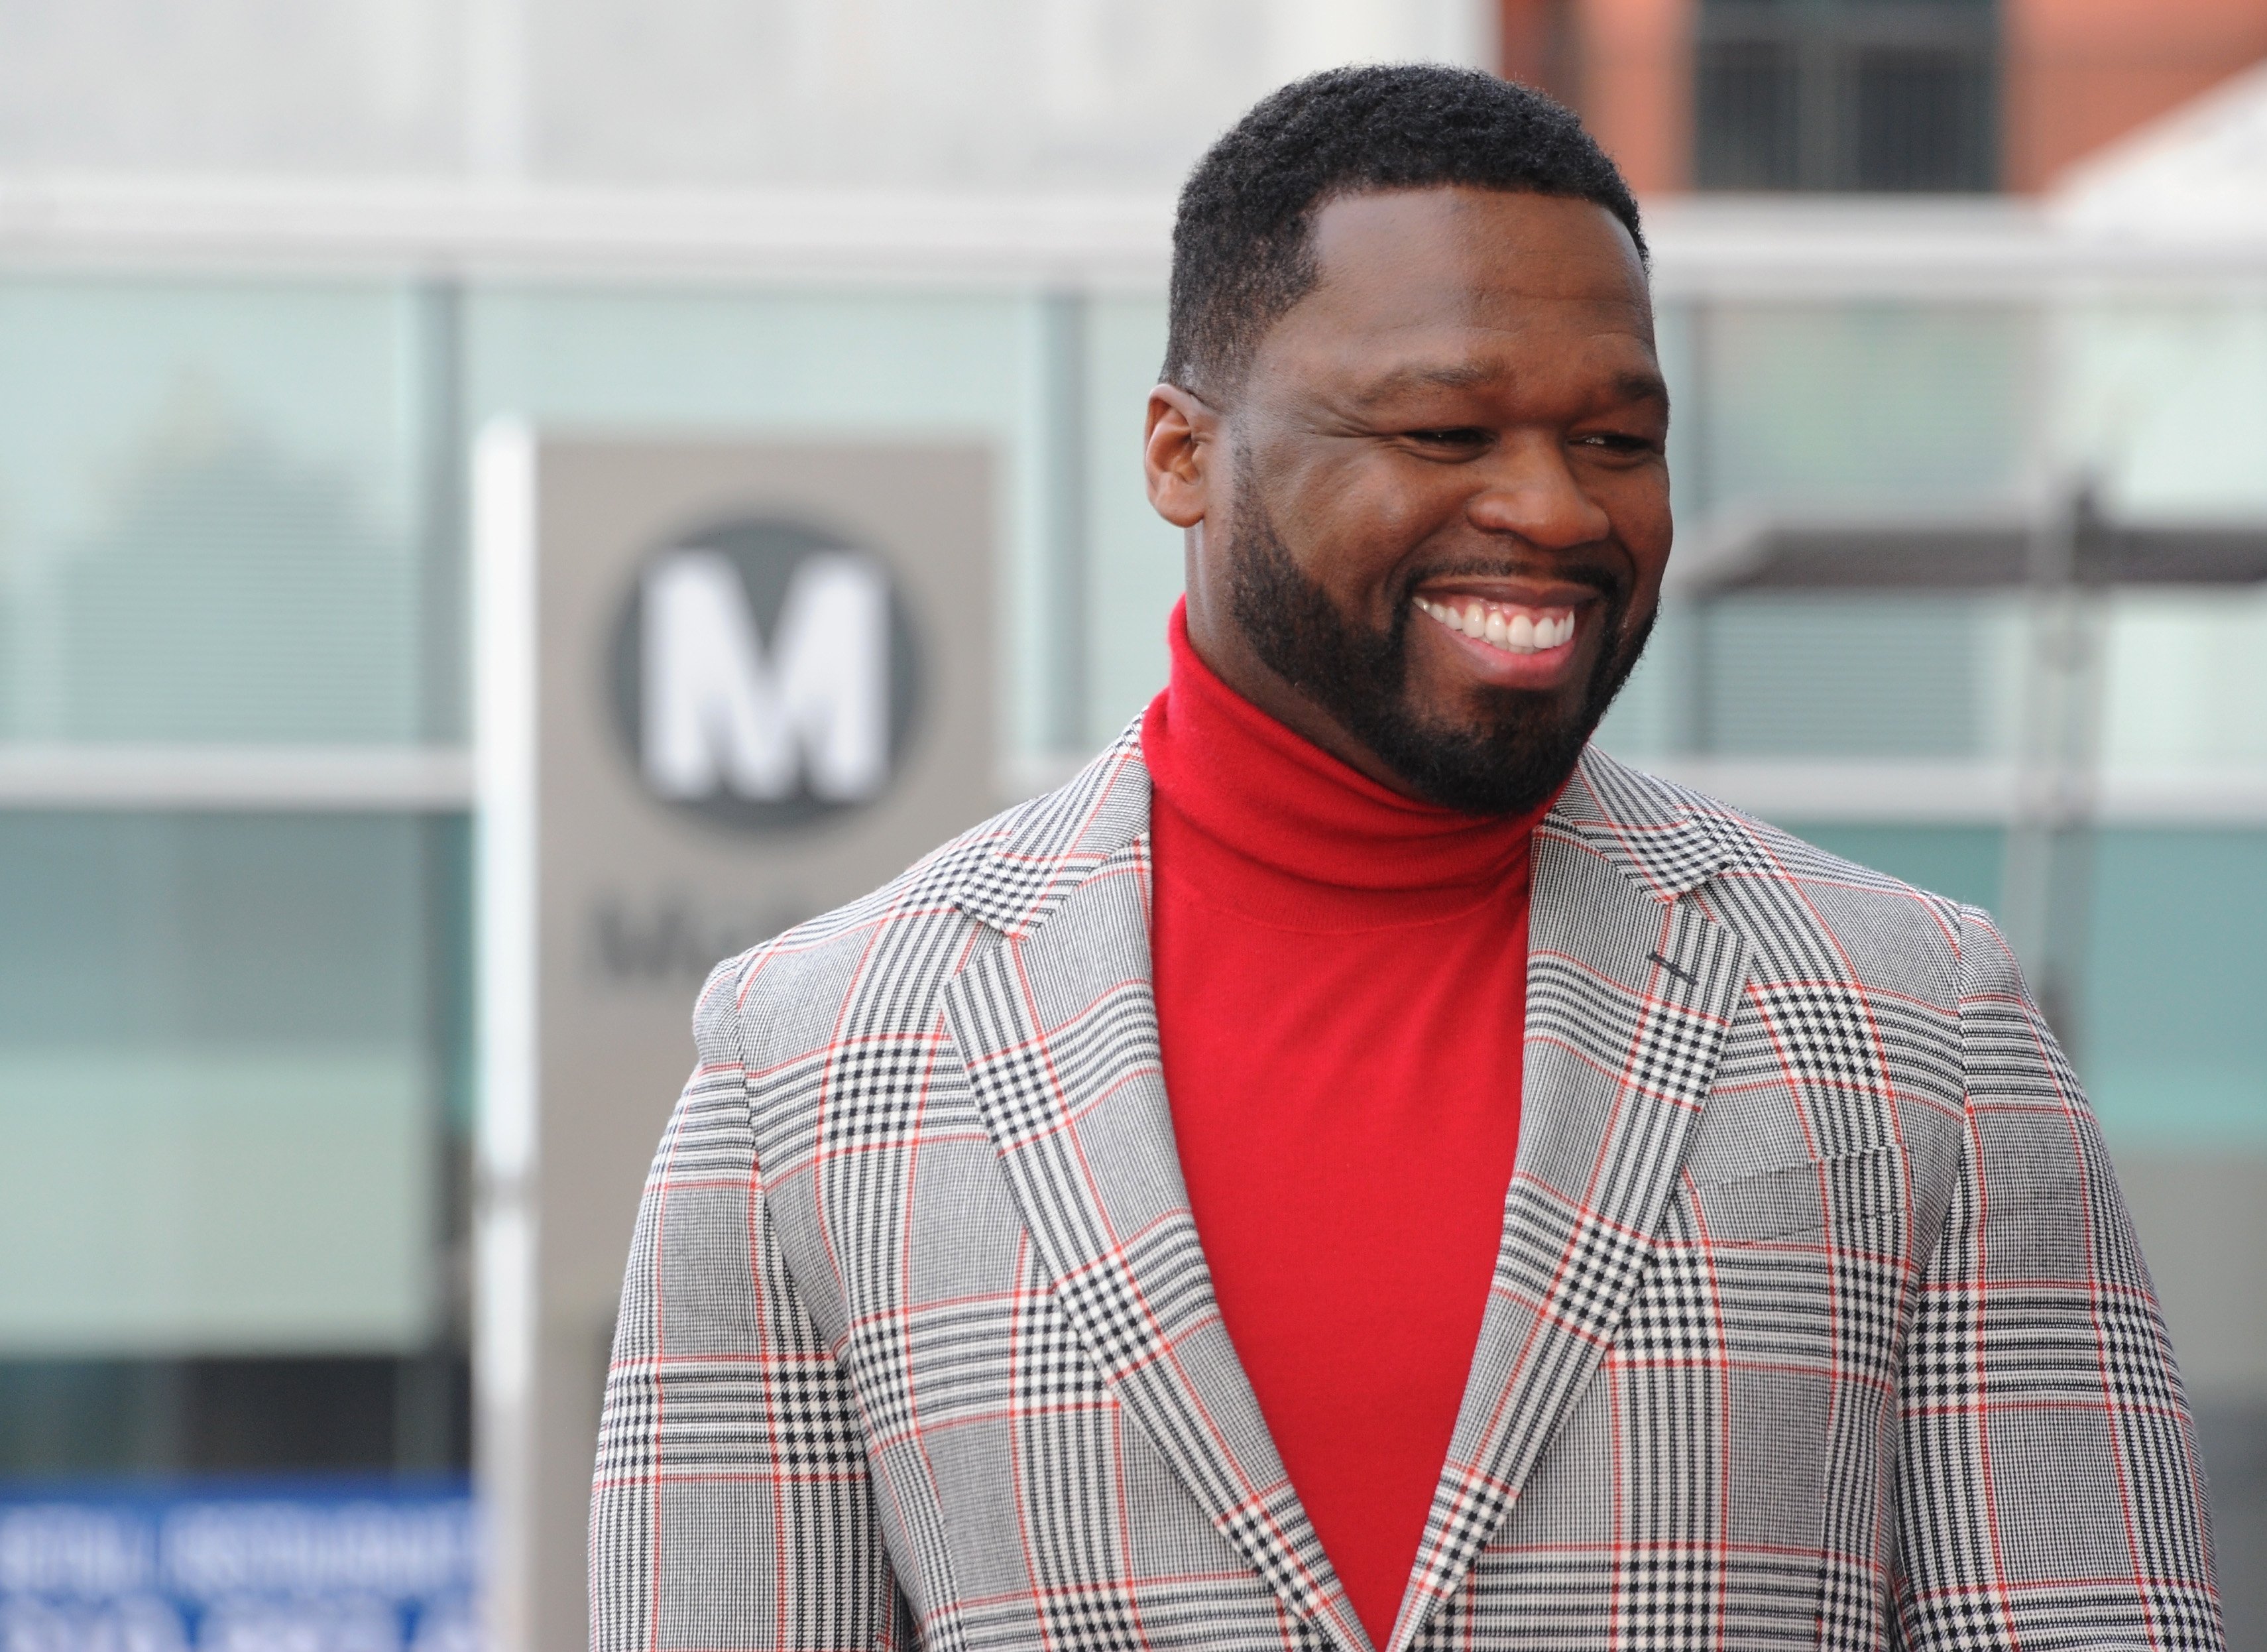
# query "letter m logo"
(722, 713)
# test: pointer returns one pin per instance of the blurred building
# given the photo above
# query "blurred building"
(1943, 285)
(1871, 95)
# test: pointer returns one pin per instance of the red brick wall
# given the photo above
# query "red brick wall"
(1626, 65)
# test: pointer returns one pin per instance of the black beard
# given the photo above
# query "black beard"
(1521, 754)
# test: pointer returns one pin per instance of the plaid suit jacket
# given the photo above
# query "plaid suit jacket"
(1817, 1319)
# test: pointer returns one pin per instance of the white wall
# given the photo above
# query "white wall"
(1102, 93)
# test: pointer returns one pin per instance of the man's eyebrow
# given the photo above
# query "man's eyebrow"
(1440, 376)
(1642, 386)
(1632, 385)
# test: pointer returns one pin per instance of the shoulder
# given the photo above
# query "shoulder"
(790, 992)
(879, 961)
(1803, 911)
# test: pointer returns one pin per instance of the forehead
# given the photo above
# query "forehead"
(1471, 268)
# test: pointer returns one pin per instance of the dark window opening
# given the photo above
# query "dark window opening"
(113, 1419)
(1847, 95)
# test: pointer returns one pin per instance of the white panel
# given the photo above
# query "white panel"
(245, 1201)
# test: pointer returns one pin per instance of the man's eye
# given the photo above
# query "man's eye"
(1462, 437)
(1616, 442)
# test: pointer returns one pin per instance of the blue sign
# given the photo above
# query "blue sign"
(295, 1568)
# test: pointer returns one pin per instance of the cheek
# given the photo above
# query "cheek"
(1350, 528)
(1638, 509)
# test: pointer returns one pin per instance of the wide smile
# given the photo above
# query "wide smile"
(1526, 645)
(1503, 626)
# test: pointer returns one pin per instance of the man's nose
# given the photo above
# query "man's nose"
(1528, 489)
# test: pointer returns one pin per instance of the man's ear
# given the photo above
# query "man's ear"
(1178, 445)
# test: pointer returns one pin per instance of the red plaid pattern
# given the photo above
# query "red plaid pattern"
(1817, 1321)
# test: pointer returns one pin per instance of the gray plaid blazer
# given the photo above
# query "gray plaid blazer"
(1817, 1320)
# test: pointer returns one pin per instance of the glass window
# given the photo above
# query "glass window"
(223, 514)
(230, 1048)
(1847, 95)
(1847, 404)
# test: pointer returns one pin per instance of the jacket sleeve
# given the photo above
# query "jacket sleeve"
(2048, 1491)
(731, 1505)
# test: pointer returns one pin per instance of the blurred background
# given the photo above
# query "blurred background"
(1964, 306)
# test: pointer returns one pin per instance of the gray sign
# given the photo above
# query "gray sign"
(759, 681)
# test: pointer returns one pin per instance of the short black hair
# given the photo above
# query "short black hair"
(1243, 237)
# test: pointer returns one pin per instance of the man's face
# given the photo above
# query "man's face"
(1429, 533)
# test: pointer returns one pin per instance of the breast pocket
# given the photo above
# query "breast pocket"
(1814, 1202)
(1804, 1267)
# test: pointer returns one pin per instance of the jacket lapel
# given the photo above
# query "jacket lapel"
(1631, 988)
(1058, 1026)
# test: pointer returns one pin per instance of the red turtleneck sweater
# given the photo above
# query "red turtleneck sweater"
(1341, 978)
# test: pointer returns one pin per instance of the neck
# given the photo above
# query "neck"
(1219, 644)
(1274, 824)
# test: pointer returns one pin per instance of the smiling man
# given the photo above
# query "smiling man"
(1358, 1167)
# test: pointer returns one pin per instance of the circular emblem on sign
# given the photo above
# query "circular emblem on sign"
(765, 674)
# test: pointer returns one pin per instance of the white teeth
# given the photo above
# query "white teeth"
(1511, 629)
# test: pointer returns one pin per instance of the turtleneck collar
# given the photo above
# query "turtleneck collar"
(1259, 820)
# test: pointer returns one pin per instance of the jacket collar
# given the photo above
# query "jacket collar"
(1038, 854)
(1666, 841)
